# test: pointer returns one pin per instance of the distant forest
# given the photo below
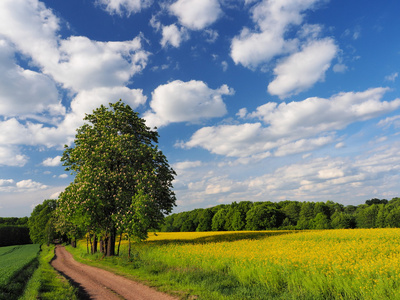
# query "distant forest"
(246, 215)
(14, 231)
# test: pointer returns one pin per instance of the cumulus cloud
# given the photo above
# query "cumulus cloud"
(88, 64)
(121, 7)
(52, 162)
(301, 70)
(39, 93)
(77, 62)
(174, 36)
(11, 156)
(293, 127)
(32, 28)
(272, 19)
(92, 72)
(196, 14)
(30, 185)
(190, 101)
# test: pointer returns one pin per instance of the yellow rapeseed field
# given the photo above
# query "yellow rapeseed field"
(327, 264)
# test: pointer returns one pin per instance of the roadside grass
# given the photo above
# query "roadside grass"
(17, 263)
(46, 283)
(324, 264)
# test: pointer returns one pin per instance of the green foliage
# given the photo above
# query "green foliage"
(205, 219)
(118, 167)
(321, 221)
(41, 227)
(288, 215)
(218, 221)
(14, 221)
(263, 216)
(17, 264)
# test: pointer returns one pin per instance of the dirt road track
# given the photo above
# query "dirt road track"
(100, 284)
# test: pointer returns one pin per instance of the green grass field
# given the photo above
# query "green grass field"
(17, 264)
(325, 264)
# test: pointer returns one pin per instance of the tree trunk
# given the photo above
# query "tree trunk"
(119, 243)
(94, 245)
(129, 247)
(102, 250)
(87, 242)
(111, 242)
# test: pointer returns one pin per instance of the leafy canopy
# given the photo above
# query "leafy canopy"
(122, 180)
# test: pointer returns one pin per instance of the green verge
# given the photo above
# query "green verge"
(46, 282)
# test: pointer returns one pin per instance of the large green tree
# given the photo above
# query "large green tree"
(123, 182)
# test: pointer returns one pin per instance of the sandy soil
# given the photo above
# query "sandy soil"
(95, 283)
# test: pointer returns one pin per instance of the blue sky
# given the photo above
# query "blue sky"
(254, 100)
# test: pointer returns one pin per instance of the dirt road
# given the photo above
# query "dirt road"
(100, 284)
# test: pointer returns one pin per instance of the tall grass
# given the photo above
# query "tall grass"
(330, 264)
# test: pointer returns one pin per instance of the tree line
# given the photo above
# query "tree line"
(246, 215)
(14, 231)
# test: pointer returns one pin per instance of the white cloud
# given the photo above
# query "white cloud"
(190, 101)
(5, 182)
(11, 156)
(89, 64)
(30, 185)
(120, 7)
(289, 125)
(392, 77)
(230, 140)
(390, 121)
(313, 179)
(172, 35)
(340, 145)
(339, 68)
(39, 93)
(32, 28)
(314, 115)
(76, 63)
(196, 14)
(267, 40)
(250, 49)
(63, 176)
(94, 72)
(186, 165)
(303, 145)
(301, 70)
(52, 162)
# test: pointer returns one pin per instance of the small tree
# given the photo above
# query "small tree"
(122, 178)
